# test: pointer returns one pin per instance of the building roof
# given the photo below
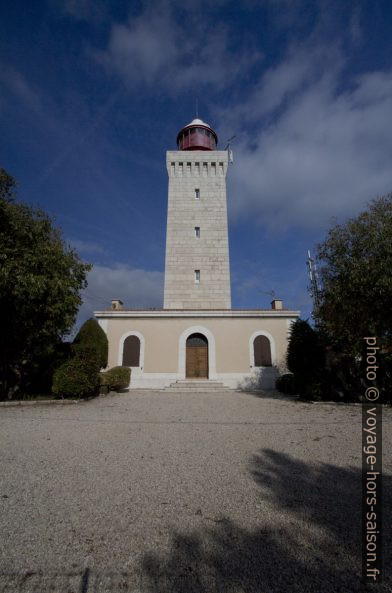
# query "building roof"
(197, 122)
(197, 313)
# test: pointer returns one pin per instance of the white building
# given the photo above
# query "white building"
(197, 336)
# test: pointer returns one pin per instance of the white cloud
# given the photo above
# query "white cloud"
(86, 247)
(18, 86)
(355, 27)
(282, 84)
(154, 49)
(135, 287)
(316, 149)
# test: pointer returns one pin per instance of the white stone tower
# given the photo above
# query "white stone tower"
(197, 272)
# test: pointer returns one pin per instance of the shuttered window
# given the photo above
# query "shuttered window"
(262, 352)
(131, 352)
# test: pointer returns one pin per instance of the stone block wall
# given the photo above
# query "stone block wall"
(197, 199)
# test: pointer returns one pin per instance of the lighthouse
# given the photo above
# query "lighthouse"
(197, 270)
(197, 340)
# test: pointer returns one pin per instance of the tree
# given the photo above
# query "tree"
(306, 358)
(40, 281)
(355, 263)
(304, 353)
(7, 186)
(92, 336)
(79, 375)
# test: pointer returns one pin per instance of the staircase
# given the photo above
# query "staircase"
(196, 386)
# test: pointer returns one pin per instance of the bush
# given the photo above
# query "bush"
(116, 378)
(385, 377)
(343, 379)
(305, 354)
(306, 360)
(78, 377)
(287, 384)
(92, 336)
(41, 374)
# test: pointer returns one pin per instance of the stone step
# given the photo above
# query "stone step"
(194, 391)
(200, 386)
(201, 382)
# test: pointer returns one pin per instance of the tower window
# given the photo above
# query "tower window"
(197, 194)
(197, 276)
(197, 232)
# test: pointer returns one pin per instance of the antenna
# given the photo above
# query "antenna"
(272, 293)
(228, 148)
(197, 107)
(314, 289)
(228, 142)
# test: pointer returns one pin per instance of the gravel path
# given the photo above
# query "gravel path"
(195, 493)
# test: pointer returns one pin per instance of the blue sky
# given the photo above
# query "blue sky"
(92, 94)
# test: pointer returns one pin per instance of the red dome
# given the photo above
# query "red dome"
(197, 136)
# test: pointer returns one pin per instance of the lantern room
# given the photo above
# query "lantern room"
(197, 136)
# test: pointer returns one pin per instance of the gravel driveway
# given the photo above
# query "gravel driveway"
(192, 493)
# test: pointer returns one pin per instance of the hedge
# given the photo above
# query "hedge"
(116, 378)
(92, 336)
(78, 377)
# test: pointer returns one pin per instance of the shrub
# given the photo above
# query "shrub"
(77, 377)
(306, 360)
(305, 355)
(385, 377)
(92, 336)
(287, 384)
(343, 379)
(116, 378)
(40, 377)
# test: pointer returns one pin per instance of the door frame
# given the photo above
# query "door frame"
(197, 329)
(194, 349)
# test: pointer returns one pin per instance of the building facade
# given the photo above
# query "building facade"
(197, 335)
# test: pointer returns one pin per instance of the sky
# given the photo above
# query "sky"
(93, 93)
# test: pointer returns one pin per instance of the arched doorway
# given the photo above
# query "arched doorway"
(131, 352)
(197, 357)
(262, 352)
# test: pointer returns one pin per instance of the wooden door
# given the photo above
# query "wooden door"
(196, 358)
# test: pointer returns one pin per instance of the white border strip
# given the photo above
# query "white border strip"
(196, 313)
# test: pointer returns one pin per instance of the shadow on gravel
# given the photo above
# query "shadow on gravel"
(269, 394)
(82, 581)
(316, 547)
